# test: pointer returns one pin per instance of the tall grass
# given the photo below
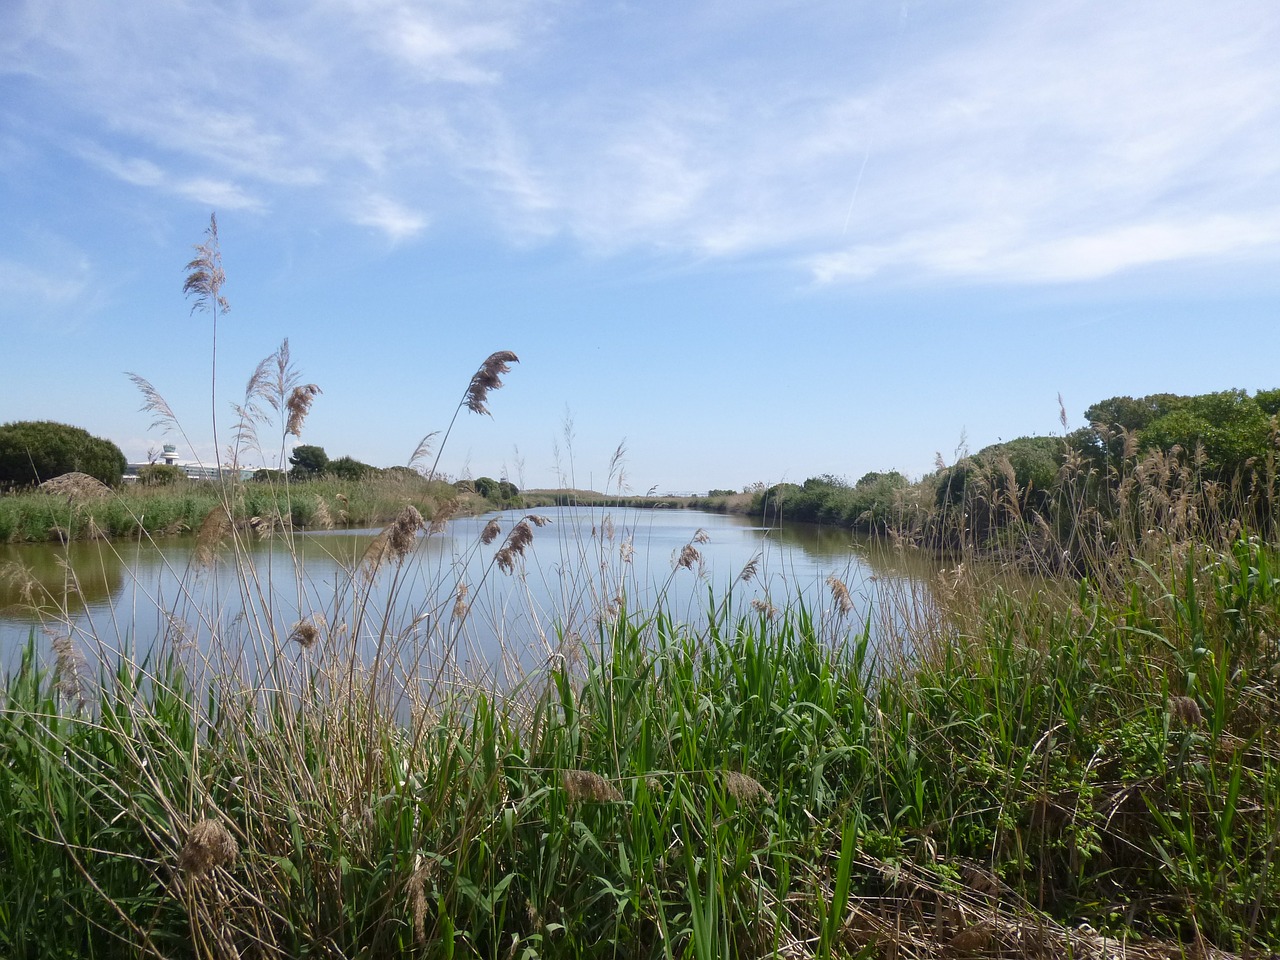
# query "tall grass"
(1064, 767)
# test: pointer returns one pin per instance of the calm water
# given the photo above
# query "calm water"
(138, 595)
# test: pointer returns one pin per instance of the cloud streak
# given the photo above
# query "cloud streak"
(1058, 142)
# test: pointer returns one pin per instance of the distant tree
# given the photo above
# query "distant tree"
(32, 451)
(265, 475)
(508, 490)
(720, 492)
(487, 487)
(160, 475)
(1230, 429)
(349, 468)
(308, 462)
(893, 479)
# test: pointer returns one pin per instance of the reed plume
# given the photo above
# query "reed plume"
(582, 785)
(305, 633)
(298, 406)
(213, 531)
(745, 789)
(840, 594)
(488, 377)
(396, 541)
(518, 539)
(209, 846)
(689, 557)
(154, 404)
(490, 532)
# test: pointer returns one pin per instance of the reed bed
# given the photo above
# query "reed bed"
(1046, 773)
(1083, 764)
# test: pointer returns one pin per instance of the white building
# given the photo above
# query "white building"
(193, 469)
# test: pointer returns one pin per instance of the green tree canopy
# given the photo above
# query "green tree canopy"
(308, 461)
(349, 468)
(32, 451)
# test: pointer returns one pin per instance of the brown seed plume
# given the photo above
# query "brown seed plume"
(213, 530)
(209, 845)
(840, 594)
(488, 377)
(585, 785)
(305, 633)
(745, 789)
(518, 539)
(689, 557)
(460, 604)
(490, 532)
(298, 406)
(1186, 711)
(205, 276)
(396, 541)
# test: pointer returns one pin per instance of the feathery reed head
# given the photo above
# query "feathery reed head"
(305, 633)
(689, 557)
(488, 377)
(840, 594)
(460, 601)
(396, 541)
(423, 449)
(745, 789)
(490, 532)
(209, 846)
(298, 406)
(585, 785)
(154, 404)
(213, 531)
(518, 539)
(205, 276)
(750, 569)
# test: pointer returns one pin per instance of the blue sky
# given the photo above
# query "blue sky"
(754, 241)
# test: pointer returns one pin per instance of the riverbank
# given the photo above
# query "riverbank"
(182, 507)
(1045, 772)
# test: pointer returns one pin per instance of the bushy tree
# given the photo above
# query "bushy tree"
(32, 451)
(160, 475)
(349, 468)
(308, 461)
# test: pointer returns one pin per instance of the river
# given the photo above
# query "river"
(112, 596)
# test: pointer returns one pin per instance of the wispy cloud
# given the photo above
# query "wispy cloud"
(394, 220)
(1057, 141)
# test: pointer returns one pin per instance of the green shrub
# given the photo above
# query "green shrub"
(32, 451)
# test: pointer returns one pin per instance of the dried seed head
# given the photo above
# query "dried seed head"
(1186, 711)
(213, 530)
(305, 633)
(209, 845)
(490, 532)
(840, 594)
(701, 536)
(518, 539)
(299, 405)
(416, 890)
(585, 785)
(745, 789)
(460, 604)
(443, 513)
(205, 276)
(488, 377)
(70, 669)
(750, 569)
(765, 607)
(689, 557)
(396, 541)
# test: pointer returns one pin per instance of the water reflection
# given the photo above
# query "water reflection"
(585, 562)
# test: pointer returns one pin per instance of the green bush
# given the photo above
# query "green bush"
(32, 451)
(160, 475)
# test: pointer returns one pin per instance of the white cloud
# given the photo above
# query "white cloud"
(1063, 140)
(396, 221)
